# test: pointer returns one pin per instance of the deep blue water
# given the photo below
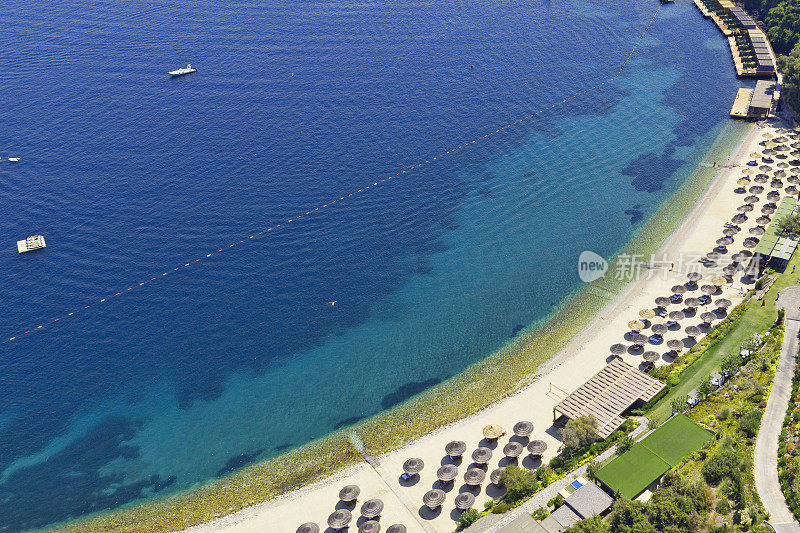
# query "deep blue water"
(238, 357)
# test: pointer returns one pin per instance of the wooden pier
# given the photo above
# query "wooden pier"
(742, 103)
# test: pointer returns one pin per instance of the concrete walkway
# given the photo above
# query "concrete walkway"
(766, 448)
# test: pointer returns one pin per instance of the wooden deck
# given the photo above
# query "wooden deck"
(742, 103)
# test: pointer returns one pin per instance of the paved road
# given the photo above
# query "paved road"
(766, 449)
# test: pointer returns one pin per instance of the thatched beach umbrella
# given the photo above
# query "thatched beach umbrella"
(482, 455)
(370, 526)
(640, 339)
(747, 171)
(349, 493)
(523, 428)
(762, 220)
(738, 219)
(773, 196)
(618, 349)
(494, 477)
(791, 189)
(308, 527)
(724, 241)
(474, 476)
(765, 168)
(647, 314)
(651, 357)
(719, 281)
(446, 473)
(339, 518)
(372, 508)
(746, 208)
(659, 329)
(751, 199)
(750, 242)
(396, 528)
(767, 135)
(492, 431)
(723, 303)
(693, 331)
(730, 232)
(755, 155)
(635, 325)
(513, 450)
(678, 289)
(757, 231)
(713, 256)
(756, 189)
(677, 315)
(709, 289)
(767, 210)
(413, 466)
(434, 498)
(694, 276)
(455, 448)
(675, 345)
(465, 500)
(742, 181)
(662, 301)
(537, 447)
(761, 178)
(708, 317)
(729, 270)
(692, 303)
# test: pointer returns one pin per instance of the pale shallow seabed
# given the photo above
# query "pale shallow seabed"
(240, 359)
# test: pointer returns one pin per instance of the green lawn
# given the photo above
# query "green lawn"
(676, 439)
(756, 319)
(633, 471)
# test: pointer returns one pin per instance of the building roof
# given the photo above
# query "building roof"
(608, 394)
(762, 94)
(589, 500)
(551, 525)
(565, 516)
(525, 523)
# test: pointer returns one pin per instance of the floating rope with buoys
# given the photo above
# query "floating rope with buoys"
(341, 198)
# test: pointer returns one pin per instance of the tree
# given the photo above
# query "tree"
(518, 482)
(750, 422)
(731, 364)
(630, 517)
(679, 405)
(790, 224)
(592, 468)
(580, 432)
(723, 464)
(624, 444)
(594, 524)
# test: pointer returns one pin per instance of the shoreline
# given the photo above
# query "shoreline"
(502, 375)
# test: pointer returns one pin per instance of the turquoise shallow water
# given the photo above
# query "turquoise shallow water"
(241, 357)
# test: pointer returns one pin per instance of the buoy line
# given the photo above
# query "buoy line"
(342, 198)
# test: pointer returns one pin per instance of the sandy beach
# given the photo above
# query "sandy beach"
(584, 356)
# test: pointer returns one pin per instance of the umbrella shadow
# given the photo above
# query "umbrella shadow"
(488, 443)
(456, 513)
(363, 519)
(688, 342)
(521, 440)
(484, 467)
(635, 351)
(505, 461)
(610, 358)
(669, 356)
(426, 513)
(675, 327)
(408, 481)
(447, 460)
(530, 463)
(446, 486)
(629, 336)
(495, 492)
(690, 312)
(350, 506)
(473, 489)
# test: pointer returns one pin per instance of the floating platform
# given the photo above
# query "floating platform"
(741, 105)
(29, 244)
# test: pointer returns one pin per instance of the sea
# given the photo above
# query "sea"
(166, 357)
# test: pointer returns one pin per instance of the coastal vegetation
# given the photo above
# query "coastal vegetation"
(789, 449)
(714, 489)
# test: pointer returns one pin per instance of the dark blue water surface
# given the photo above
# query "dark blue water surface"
(129, 174)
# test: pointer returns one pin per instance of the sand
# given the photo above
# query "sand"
(584, 356)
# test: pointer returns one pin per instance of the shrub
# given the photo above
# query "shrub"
(750, 422)
(723, 507)
(467, 518)
(556, 501)
(519, 482)
(580, 432)
(624, 444)
(723, 413)
(501, 508)
(724, 463)
(591, 470)
(540, 514)
(488, 504)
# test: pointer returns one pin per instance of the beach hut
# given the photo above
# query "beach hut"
(494, 477)
(677, 315)
(370, 526)
(349, 493)
(523, 428)
(446, 473)
(651, 357)
(372, 508)
(339, 519)
(492, 432)
(474, 477)
(412, 467)
(537, 447)
(693, 331)
(482, 455)
(464, 501)
(647, 314)
(635, 325)
(618, 349)
(455, 449)
(433, 498)
(396, 528)
(512, 450)
(308, 527)
(659, 329)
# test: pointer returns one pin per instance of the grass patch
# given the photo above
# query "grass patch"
(678, 437)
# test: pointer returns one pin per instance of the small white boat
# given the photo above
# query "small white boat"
(34, 242)
(188, 69)
(13, 159)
